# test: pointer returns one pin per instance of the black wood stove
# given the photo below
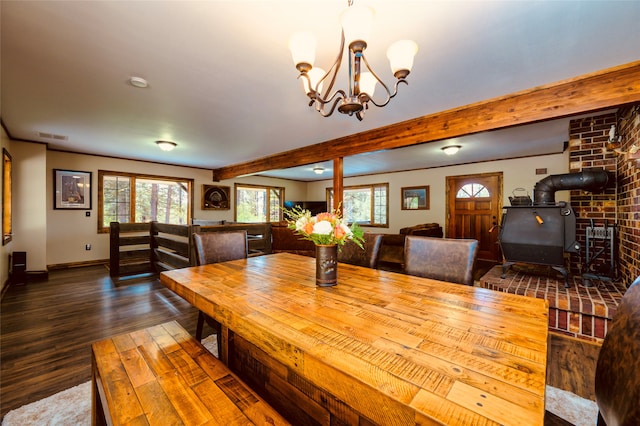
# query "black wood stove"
(541, 233)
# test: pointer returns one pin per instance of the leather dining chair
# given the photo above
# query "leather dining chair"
(216, 247)
(445, 259)
(617, 381)
(354, 255)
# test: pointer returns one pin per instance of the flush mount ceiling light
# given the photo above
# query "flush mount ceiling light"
(138, 82)
(451, 149)
(166, 145)
(356, 25)
(318, 170)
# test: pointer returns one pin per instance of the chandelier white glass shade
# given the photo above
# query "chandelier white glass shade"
(318, 84)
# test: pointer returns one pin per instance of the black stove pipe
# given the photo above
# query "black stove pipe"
(591, 180)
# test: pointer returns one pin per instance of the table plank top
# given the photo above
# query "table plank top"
(398, 348)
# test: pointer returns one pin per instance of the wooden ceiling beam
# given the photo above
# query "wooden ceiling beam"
(604, 89)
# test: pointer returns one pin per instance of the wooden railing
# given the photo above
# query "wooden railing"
(152, 247)
(129, 249)
(170, 246)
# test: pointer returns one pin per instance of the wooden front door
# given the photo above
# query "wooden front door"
(474, 204)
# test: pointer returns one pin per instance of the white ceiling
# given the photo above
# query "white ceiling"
(223, 87)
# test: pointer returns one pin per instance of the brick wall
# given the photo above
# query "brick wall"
(620, 205)
(629, 195)
(587, 151)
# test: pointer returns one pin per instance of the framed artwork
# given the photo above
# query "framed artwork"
(415, 198)
(71, 190)
(7, 230)
(215, 197)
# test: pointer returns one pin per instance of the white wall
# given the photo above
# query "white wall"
(516, 173)
(29, 203)
(68, 231)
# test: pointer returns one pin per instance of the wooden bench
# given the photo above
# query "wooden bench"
(162, 375)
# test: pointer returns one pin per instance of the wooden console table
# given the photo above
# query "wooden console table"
(380, 347)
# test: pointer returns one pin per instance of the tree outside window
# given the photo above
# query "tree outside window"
(365, 204)
(128, 198)
(256, 204)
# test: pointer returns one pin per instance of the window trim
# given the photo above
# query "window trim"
(472, 196)
(7, 197)
(134, 176)
(372, 187)
(268, 188)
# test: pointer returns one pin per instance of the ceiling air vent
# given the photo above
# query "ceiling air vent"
(52, 136)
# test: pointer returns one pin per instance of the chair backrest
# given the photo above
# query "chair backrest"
(617, 383)
(445, 259)
(351, 253)
(284, 239)
(215, 247)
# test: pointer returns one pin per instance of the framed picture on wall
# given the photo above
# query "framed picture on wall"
(71, 190)
(215, 197)
(415, 198)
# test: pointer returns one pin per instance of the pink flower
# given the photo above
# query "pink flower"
(326, 217)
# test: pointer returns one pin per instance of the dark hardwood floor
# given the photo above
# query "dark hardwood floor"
(47, 327)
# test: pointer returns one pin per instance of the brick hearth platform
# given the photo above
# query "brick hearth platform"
(577, 311)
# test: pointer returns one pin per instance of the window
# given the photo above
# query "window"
(473, 190)
(126, 197)
(366, 204)
(258, 203)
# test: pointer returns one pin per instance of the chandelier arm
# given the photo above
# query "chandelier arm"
(316, 97)
(313, 94)
(389, 95)
(322, 110)
(335, 68)
(304, 74)
(335, 97)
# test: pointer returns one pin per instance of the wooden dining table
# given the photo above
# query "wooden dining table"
(378, 348)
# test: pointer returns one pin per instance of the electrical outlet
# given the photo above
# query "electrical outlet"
(87, 247)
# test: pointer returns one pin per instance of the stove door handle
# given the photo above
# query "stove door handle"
(538, 218)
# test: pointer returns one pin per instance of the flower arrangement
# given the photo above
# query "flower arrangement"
(324, 228)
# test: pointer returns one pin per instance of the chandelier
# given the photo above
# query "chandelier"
(356, 25)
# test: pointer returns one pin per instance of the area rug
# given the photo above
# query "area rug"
(73, 406)
(69, 407)
(572, 408)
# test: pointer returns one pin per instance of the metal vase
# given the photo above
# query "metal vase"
(326, 265)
